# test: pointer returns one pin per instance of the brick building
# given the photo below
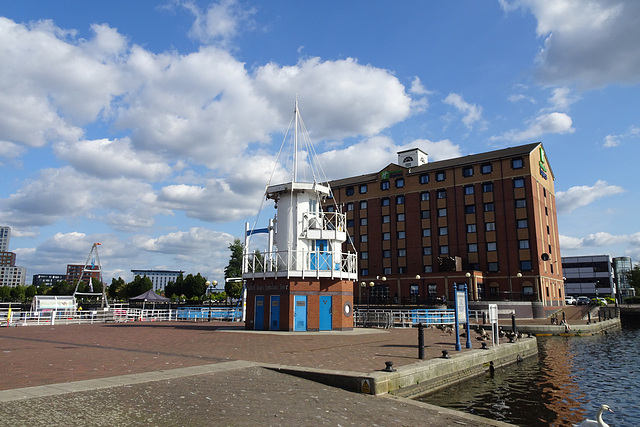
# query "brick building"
(487, 220)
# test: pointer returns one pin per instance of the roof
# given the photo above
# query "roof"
(520, 150)
(150, 296)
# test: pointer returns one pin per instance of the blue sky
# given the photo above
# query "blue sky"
(152, 126)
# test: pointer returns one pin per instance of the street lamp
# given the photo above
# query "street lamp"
(214, 283)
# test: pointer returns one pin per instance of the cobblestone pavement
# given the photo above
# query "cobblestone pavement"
(42, 355)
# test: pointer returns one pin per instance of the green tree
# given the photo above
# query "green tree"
(5, 293)
(175, 288)
(194, 286)
(18, 293)
(234, 269)
(31, 292)
(117, 287)
(139, 286)
(62, 288)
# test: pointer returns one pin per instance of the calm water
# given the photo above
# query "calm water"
(566, 384)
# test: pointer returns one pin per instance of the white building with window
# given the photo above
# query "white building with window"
(5, 236)
(12, 276)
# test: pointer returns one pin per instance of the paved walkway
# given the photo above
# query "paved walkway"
(170, 373)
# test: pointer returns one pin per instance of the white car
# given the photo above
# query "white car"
(601, 301)
(569, 300)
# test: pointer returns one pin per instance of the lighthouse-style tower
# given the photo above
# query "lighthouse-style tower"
(304, 280)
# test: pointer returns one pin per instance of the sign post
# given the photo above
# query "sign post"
(462, 313)
(493, 319)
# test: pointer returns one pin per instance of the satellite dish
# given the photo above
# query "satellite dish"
(545, 257)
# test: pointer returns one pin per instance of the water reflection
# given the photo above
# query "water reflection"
(566, 384)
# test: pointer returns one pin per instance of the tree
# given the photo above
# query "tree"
(31, 292)
(139, 286)
(18, 293)
(117, 288)
(234, 269)
(5, 293)
(175, 288)
(194, 286)
(62, 288)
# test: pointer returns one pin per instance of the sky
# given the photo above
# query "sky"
(153, 127)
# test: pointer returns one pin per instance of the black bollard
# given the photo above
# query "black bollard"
(513, 323)
(484, 318)
(420, 341)
(589, 317)
(599, 318)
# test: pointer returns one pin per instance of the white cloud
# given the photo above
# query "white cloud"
(602, 242)
(472, 112)
(220, 23)
(588, 42)
(611, 141)
(580, 196)
(561, 99)
(543, 124)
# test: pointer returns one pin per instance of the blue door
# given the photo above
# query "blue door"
(258, 320)
(299, 313)
(325, 313)
(321, 258)
(274, 315)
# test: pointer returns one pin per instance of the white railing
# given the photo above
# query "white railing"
(389, 318)
(307, 263)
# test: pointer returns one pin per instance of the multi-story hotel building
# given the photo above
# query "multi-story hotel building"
(47, 279)
(487, 220)
(74, 272)
(5, 237)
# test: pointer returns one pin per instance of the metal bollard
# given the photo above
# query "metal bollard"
(420, 341)
(513, 323)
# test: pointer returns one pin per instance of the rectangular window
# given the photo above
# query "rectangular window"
(387, 270)
(349, 207)
(425, 214)
(486, 168)
(441, 194)
(424, 196)
(363, 204)
(331, 209)
(443, 231)
(472, 247)
(402, 270)
(492, 246)
(523, 244)
(385, 201)
(493, 267)
(441, 176)
(426, 250)
(363, 238)
(399, 182)
(364, 272)
(386, 253)
(444, 250)
(384, 185)
(522, 223)
(467, 171)
(399, 200)
(402, 252)
(363, 221)
(350, 223)
(525, 266)
(442, 212)
(427, 269)
(490, 226)
(386, 236)
(468, 189)
(517, 163)
(364, 255)
(521, 203)
(487, 187)
(386, 219)
(489, 207)
(426, 232)
(363, 188)
(400, 217)
(401, 234)
(424, 178)
(470, 209)
(349, 191)
(518, 183)
(471, 228)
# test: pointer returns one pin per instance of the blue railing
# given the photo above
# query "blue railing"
(214, 313)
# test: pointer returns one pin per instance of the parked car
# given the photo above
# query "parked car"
(569, 300)
(583, 301)
(600, 301)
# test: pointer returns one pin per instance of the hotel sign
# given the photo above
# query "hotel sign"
(543, 164)
(386, 175)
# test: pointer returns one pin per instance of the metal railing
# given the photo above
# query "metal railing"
(307, 262)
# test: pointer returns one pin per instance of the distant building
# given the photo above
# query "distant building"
(7, 259)
(12, 276)
(621, 266)
(590, 275)
(5, 236)
(74, 272)
(47, 279)
(159, 278)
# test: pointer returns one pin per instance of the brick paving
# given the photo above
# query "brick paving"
(40, 355)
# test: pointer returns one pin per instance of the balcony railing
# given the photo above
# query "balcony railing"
(301, 263)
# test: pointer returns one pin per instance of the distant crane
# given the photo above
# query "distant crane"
(94, 263)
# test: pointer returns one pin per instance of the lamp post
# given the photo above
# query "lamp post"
(418, 278)
(368, 286)
(214, 283)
